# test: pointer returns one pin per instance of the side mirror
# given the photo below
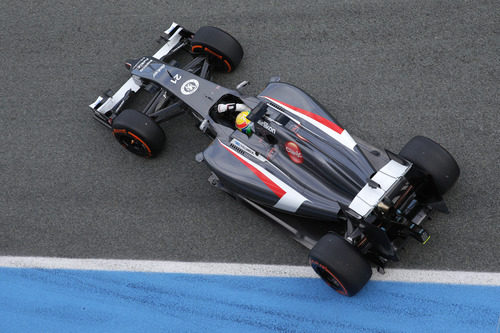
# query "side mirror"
(242, 85)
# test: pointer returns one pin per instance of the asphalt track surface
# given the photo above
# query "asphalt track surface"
(388, 70)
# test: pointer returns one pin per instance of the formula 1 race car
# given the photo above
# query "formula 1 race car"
(283, 154)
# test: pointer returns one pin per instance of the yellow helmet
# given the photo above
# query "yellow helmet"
(242, 123)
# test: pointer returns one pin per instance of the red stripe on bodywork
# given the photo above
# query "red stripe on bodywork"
(314, 116)
(269, 183)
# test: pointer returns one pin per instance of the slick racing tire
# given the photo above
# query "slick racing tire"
(434, 159)
(224, 50)
(340, 265)
(138, 133)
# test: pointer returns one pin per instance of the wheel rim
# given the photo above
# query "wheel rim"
(328, 277)
(216, 58)
(133, 143)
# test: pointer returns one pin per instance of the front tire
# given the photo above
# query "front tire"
(224, 50)
(434, 159)
(340, 265)
(138, 133)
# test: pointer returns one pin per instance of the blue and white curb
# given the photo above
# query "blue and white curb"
(96, 295)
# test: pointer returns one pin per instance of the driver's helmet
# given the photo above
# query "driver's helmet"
(242, 123)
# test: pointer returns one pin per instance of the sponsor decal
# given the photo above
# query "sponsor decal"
(142, 64)
(267, 126)
(294, 152)
(158, 70)
(189, 87)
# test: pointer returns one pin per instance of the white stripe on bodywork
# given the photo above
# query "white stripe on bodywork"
(172, 41)
(292, 199)
(132, 84)
(344, 138)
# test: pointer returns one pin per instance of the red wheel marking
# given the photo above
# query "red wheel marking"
(342, 292)
(117, 131)
(228, 65)
(140, 140)
(195, 47)
(213, 53)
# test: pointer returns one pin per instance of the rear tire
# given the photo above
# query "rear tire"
(224, 50)
(434, 159)
(138, 133)
(340, 265)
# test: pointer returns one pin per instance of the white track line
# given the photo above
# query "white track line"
(396, 275)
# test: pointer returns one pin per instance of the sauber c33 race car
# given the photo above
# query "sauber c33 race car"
(284, 155)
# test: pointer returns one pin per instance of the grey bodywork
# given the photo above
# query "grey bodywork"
(299, 167)
(330, 174)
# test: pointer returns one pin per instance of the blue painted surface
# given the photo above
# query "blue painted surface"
(36, 300)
